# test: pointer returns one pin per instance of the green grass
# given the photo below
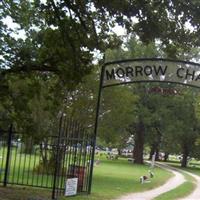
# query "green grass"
(181, 191)
(193, 167)
(115, 178)
(112, 178)
(194, 170)
(21, 169)
(187, 187)
(24, 193)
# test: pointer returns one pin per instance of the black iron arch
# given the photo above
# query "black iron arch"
(144, 70)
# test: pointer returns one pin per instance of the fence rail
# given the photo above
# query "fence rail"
(48, 162)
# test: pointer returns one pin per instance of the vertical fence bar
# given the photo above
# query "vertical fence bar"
(14, 165)
(63, 172)
(8, 155)
(3, 156)
(57, 159)
(70, 149)
(93, 144)
(19, 165)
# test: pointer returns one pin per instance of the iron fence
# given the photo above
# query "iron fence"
(49, 161)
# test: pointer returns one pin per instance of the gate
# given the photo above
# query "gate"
(49, 161)
(74, 157)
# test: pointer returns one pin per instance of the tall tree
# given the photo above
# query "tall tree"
(134, 48)
(181, 125)
(116, 115)
(62, 36)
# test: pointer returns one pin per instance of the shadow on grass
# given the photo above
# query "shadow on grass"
(24, 193)
(111, 179)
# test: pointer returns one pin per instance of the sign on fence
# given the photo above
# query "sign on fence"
(71, 186)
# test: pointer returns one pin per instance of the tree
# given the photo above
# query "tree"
(116, 115)
(152, 107)
(62, 36)
(141, 109)
(61, 40)
(181, 125)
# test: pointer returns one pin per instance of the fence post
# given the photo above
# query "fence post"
(8, 155)
(57, 159)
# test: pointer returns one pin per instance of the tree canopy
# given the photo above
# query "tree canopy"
(48, 55)
(62, 36)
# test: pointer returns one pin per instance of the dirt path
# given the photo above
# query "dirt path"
(195, 195)
(172, 183)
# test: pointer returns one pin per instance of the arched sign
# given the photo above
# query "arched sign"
(151, 70)
(145, 70)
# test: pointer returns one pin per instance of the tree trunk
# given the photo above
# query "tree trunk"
(28, 146)
(139, 144)
(185, 156)
(155, 146)
(154, 150)
(151, 152)
(119, 152)
(157, 154)
(166, 157)
(157, 143)
(43, 153)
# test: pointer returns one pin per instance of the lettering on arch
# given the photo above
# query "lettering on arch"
(151, 70)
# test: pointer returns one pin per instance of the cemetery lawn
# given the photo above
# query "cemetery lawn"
(193, 167)
(115, 178)
(183, 190)
(112, 179)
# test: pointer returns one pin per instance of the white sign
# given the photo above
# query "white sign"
(155, 70)
(71, 186)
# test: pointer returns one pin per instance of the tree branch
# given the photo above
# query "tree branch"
(29, 68)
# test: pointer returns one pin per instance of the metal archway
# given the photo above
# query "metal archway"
(140, 71)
